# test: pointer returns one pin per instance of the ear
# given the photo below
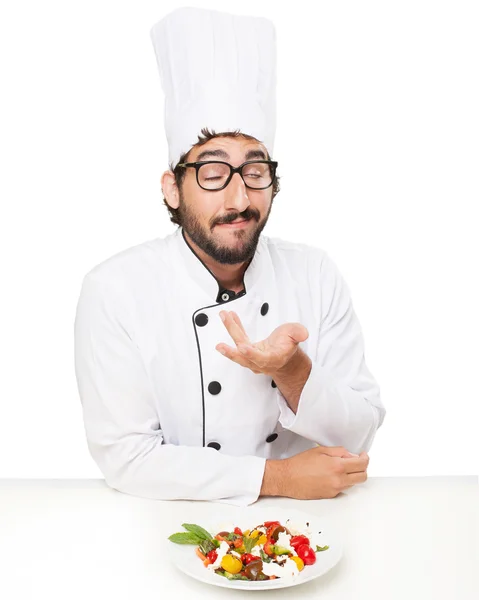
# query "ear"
(170, 189)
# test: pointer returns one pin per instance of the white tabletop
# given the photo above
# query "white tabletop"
(404, 538)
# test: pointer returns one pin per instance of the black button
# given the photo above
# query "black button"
(264, 308)
(201, 319)
(273, 383)
(214, 445)
(214, 387)
(271, 438)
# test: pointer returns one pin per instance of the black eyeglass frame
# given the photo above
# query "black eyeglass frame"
(233, 170)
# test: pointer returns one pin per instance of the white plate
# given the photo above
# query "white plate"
(186, 560)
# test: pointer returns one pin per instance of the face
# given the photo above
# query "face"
(212, 219)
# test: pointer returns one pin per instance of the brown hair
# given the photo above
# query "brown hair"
(180, 172)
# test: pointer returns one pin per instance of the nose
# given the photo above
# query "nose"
(236, 195)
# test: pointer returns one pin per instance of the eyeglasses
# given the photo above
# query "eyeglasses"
(214, 175)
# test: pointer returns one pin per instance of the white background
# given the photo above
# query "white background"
(377, 142)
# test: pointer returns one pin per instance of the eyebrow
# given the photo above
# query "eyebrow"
(222, 154)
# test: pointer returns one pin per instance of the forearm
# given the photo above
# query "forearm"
(332, 413)
(290, 380)
(168, 472)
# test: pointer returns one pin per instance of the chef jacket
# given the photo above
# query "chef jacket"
(167, 416)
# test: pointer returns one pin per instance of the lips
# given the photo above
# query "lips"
(235, 223)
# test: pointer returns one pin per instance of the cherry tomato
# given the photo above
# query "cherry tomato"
(238, 531)
(298, 540)
(212, 555)
(306, 554)
(247, 558)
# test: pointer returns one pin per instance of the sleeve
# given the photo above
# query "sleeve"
(340, 404)
(121, 419)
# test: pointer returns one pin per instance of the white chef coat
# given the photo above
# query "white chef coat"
(167, 416)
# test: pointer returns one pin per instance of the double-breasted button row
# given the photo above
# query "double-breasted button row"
(201, 319)
(217, 445)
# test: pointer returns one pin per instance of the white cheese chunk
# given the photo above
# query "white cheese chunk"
(283, 541)
(290, 569)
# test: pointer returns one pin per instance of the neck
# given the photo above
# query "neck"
(228, 276)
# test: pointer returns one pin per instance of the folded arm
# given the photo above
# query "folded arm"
(331, 397)
(122, 424)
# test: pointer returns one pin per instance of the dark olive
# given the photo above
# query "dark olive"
(254, 569)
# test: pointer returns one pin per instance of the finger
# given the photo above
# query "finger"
(235, 331)
(298, 333)
(356, 465)
(238, 322)
(355, 478)
(338, 451)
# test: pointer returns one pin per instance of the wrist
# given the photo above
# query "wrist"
(274, 480)
(298, 362)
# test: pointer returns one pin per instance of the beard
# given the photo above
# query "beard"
(203, 237)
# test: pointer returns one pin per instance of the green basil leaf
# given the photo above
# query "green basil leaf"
(249, 543)
(185, 538)
(199, 531)
(320, 549)
(206, 546)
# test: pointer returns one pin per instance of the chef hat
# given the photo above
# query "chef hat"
(217, 70)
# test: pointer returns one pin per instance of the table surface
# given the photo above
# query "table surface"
(403, 537)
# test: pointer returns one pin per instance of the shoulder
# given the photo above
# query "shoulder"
(295, 254)
(132, 263)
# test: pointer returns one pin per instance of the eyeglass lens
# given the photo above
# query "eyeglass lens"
(214, 175)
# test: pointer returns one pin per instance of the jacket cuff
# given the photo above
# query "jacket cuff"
(304, 422)
(252, 481)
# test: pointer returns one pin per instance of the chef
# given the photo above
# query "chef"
(218, 363)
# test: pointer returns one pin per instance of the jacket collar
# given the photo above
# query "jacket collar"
(204, 278)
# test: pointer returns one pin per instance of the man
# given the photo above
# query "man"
(218, 363)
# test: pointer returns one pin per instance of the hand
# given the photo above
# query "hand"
(267, 356)
(312, 474)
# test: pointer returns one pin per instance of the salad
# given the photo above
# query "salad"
(267, 551)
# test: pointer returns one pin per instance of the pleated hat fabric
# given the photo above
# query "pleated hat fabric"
(217, 70)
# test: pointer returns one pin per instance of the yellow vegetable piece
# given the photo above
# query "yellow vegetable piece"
(254, 534)
(231, 564)
(262, 540)
(247, 532)
(299, 562)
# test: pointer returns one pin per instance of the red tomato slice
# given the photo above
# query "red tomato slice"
(269, 523)
(212, 555)
(267, 548)
(298, 540)
(306, 554)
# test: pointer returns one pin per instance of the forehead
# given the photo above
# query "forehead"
(224, 148)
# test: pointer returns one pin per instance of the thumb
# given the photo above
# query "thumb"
(298, 333)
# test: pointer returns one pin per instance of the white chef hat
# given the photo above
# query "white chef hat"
(217, 70)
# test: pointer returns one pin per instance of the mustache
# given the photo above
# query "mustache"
(246, 215)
